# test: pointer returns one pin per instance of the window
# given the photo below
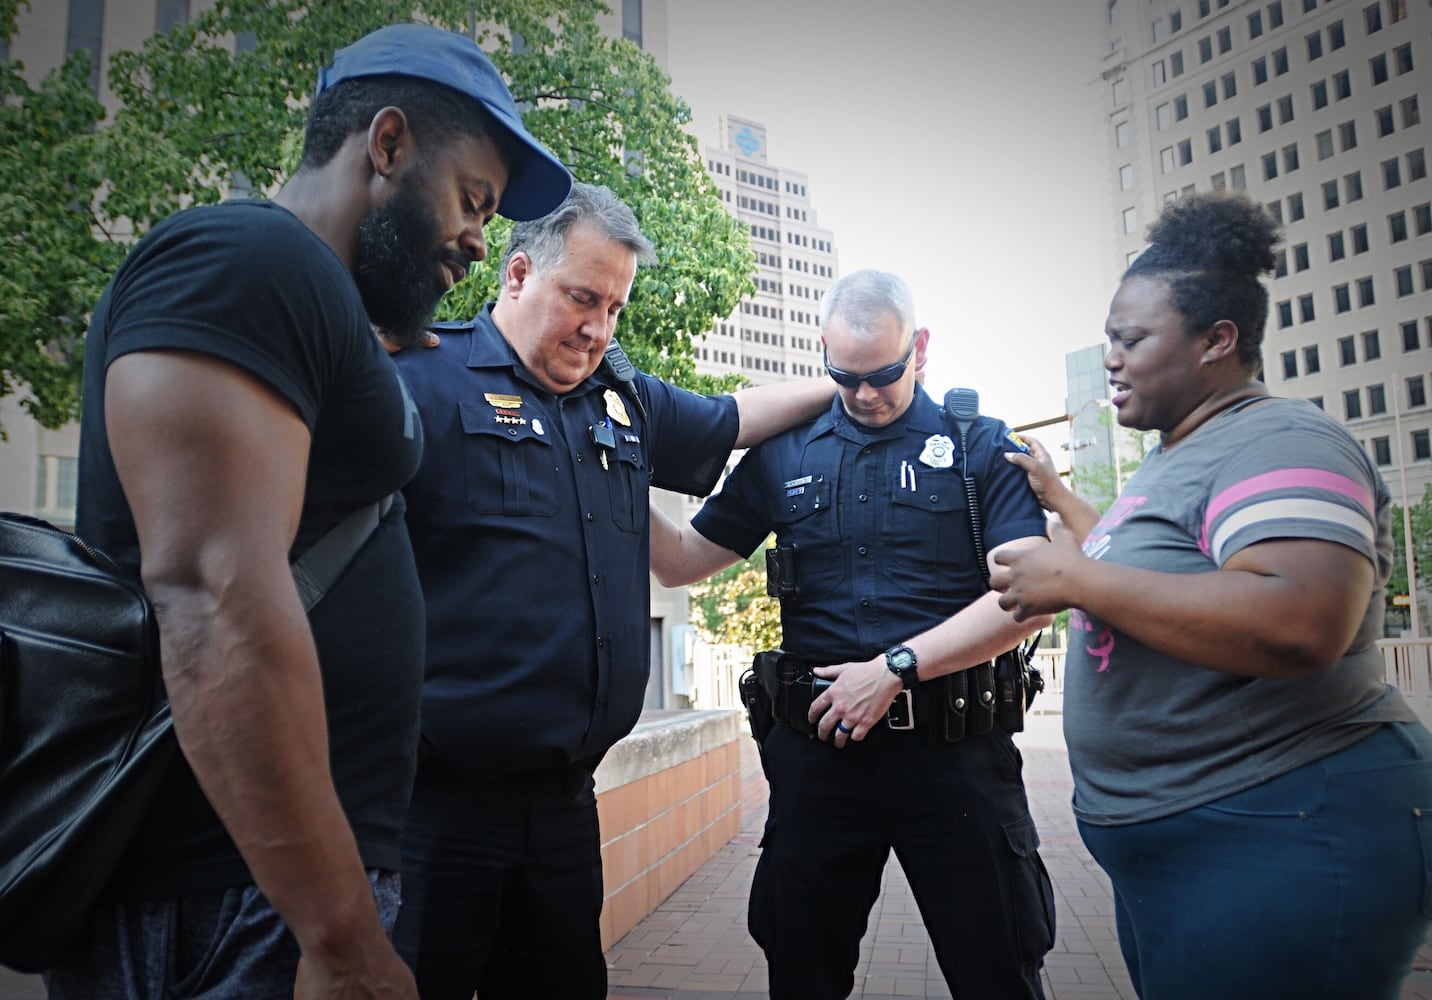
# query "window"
(1285, 315)
(1309, 6)
(1342, 302)
(1275, 209)
(1316, 401)
(1285, 109)
(1324, 141)
(1295, 207)
(1365, 295)
(1280, 264)
(1416, 165)
(1260, 71)
(1342, 85)
(1275, 14)
(1185, 152)
(1337, 38)
(1234, 131)
(1229, 83)
(1180, 107)
(1225, 40)
(1410, 340)
(1379, 69)
(1336, 249)
(1391, 174)
(1126, 177)
(1290, 158)
(1371, 346)
(1381, 451)
(1330, 195)
(1306, 313)
(1422, 219)
(1175, 21)
(1121, 92)
(1175, 63)
(1238, 177)
(1359, 238)
(1218, 181)
(1290, 364)
(1205, 49)
(1215, 140)
(1310, 360)
(1402, 56)
(1166, 164)
(1385, 126)
(85, 34)
(1315, 46)
(1160, 30)
(1352, 404)
(1163, 116)
(1160, 72)
(1376, 400)
(1347, 135)
(1204, 7)
(1121, 134)
(1396, 10)
(1411, 114)
(1320, 95)
(1421, 445)
(1210, 94)
(1255, 24)
(1265, 118)
(1426, 267)
(1347, 351)
(169, 13)
(1372, 18)
(1270, 166)
(1280, 60)
(1131, 221)
(1352, 186)
(1416, 389)
(1397, 227)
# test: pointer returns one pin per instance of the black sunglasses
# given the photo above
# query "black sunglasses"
(878, 379)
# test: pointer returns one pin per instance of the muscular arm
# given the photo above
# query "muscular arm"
(1054, 494)
(979, 632)
(1275, 609)
(213, 463)
(768, 409)
(680, 554)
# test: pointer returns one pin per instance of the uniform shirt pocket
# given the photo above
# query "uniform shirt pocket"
(927, 536)
(509, 468)
(808, 520)
(629, 480)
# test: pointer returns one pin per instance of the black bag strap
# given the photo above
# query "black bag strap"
(319, 568)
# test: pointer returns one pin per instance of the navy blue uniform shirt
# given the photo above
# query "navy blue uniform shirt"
(879, 520)
(534, 554)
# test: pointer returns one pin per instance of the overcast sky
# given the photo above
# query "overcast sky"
(957, 144)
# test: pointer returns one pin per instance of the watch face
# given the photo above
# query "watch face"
(902, 659)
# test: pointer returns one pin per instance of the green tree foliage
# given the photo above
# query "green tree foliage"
(733, 607)
(1421, 518)
(197, 117)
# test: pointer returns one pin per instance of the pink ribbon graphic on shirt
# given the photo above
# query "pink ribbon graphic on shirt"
(1104, 650)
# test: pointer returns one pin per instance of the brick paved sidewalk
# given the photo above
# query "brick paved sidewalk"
(695, 945)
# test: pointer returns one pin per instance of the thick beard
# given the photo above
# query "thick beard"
(399, 250)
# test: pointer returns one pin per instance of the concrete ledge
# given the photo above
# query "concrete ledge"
(668, 798)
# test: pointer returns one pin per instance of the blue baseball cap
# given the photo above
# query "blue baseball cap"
(539, 181)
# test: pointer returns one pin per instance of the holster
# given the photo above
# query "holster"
(784, 679)
(1011, 689)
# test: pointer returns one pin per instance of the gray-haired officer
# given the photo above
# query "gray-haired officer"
(881, 587)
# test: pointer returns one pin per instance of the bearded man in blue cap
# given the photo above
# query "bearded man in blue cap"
(237, 405)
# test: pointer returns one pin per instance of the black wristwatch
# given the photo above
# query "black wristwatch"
(901, 661)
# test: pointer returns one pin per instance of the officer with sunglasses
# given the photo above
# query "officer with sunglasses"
(881, 593)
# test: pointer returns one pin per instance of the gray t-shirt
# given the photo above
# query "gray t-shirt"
(1150, 735)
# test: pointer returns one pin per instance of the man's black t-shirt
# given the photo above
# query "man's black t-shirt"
(249, 283)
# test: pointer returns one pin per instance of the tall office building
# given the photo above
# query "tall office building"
(775, 333)
(1314, 108)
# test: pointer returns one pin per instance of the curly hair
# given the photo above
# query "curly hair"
(431, 110)
(1211, 248)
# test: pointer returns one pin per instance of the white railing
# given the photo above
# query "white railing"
(1407, 665)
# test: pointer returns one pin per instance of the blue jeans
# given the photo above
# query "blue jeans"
(1316, 884)
(221, 945)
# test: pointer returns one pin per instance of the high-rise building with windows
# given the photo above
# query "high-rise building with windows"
(1314, 108)
(775, 334)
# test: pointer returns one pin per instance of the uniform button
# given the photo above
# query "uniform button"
(793, 508)
(595, 578)
(601, 642)
(512, 431)
(579, 459)
(863, 498)
(861, 550)
(865, 451)
(934, 498)
(865, 602)
(590, 518)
